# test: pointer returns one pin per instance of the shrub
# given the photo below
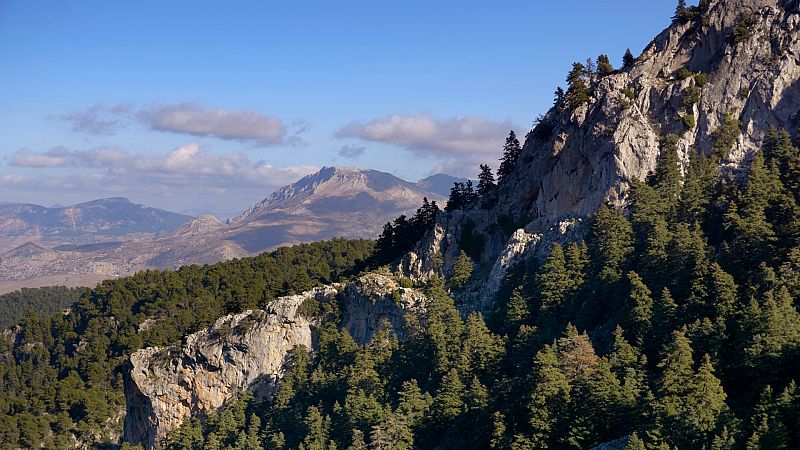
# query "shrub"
(742, 30)
(684, 73)
(689, 121)
(700, 79)
(743, 93)
(727, 134)
(691, 96)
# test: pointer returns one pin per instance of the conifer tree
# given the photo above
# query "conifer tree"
(517, 309)
(578, 91)
(680, 12)
(485, 180)
(462, 271)
(628, 60)
(549, 399)
(448, 402)
(553, 287)
(640, 308)
(611, 242)
(511, 153)
(604, 66)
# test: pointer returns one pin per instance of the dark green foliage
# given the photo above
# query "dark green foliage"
(684, 73)
(511, 153)
(462, 271)
(604, 66)
(485, 180)
(462, 195)
(726, 136)
(578, 91)
(700, 80)
(42, 301)
(401, 236)
(690, 97)
(689, 121)
(61, 376)
(628, 60)
(686, 335)
(743, 28)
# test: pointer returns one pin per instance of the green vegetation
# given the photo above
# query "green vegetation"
(511, 153)
(690, 97)
(604, 66)
(578, 91)
(62, 375)
(43, 301)
(628, 60)
(684, 74)
(700, 79)
(676, 326)
(400, 236)
(743, 28)
(689, 121)
(726, 136)
(462, 271)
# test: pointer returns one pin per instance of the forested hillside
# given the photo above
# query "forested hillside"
(43, 301)
(672, 326)
(60, 374)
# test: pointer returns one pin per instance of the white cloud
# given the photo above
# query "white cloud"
(237, 125)
(425, 135)
(186, 166)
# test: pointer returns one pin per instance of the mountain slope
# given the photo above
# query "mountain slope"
(86, 222)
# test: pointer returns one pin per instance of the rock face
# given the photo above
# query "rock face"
(165, 386)
(577, 159)
(245, 351)
(375, 300)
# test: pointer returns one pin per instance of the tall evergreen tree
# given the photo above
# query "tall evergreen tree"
(604, 66)
(485, 180)
(511, 153)
(578, 91)
(628, 60)
(640, 309)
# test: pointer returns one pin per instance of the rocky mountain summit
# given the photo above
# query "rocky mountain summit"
(737, 69)
(334, 202)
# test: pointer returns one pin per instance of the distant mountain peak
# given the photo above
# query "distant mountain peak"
(368, 185)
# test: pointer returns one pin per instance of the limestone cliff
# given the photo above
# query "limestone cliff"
(576, 159)
(165, 386)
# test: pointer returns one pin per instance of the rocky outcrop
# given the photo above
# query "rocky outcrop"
(577, 159)
(247, 351)
(374, 301)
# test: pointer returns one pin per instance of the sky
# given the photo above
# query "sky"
(206, 107)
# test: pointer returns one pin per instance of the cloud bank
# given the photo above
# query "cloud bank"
(191, 119)
(186, 168)
(237, 125)
(461, 142)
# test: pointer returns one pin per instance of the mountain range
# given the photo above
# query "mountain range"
(83, 244)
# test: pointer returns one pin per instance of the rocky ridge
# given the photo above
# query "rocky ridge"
(577, 159)
(165, 386)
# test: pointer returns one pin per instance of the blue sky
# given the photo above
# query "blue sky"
(200, 106)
